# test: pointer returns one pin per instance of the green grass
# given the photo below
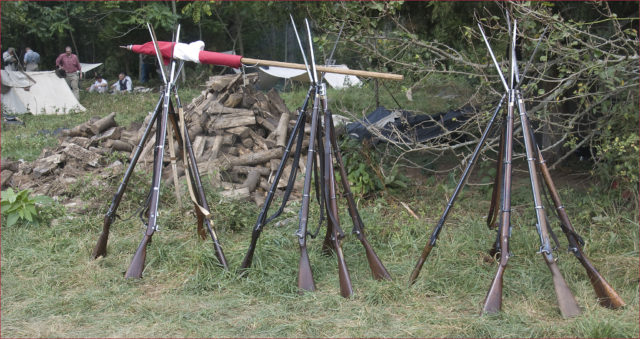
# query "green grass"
(52, 288)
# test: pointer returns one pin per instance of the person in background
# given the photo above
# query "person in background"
(31, 60)
(123, 85)
(10, 60)
(100, 85)
(71, 65)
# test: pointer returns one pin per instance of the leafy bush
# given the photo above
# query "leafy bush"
(365, 170)
(21, 207)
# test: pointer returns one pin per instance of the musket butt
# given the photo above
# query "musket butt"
(305, 277)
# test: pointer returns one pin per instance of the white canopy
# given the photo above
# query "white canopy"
(38, 93)
(337, 81)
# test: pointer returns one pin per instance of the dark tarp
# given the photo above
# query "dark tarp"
(407, 127)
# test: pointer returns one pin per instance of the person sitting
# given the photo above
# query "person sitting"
(100, 85)
(123, 85)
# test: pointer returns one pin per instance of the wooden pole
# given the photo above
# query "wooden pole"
(326, 69)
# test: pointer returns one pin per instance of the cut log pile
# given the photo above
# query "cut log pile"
(238, 136)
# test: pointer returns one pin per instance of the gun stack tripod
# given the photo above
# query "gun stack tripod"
(323, 150)
(164, 113)
(607, 296)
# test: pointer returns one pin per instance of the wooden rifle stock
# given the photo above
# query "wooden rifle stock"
(566, 301)
(493, 299)
(331, 203)
(378, 270)
(101, 246)
(459, 186)
(423, 257)
(607, 296)
(305, 277)
(137, 264)
(257, 228)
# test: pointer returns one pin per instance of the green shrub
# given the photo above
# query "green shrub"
(21, 207)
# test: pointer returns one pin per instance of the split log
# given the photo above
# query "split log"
(114, 133)
(103, 124)
(7, 164)
(248, 159)
(281, 130)
(247, 169)
(240, 131)
(251, 182)
(82, 130)
(215, 108)
(277, 104)
(84, 155)
(46, 165)
(233, 100)
(259, 197)
(237, 194)
(198, 146)
(247, 142)
(119, 145)
(5, 176)
(260, 141)
(267, 124)
(83, 142)
(217, 143)
(235, 120)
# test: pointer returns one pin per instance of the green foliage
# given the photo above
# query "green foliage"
(365, 170)
(616, 146)
(21, 207)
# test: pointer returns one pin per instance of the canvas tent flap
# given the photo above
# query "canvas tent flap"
(16, 79)
(269, 75)
(88, 67)
(48, 95)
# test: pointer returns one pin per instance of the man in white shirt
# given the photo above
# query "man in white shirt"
(100, 85)
(123, 85)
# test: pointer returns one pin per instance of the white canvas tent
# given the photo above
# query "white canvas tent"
(269, 76)
(37, 93)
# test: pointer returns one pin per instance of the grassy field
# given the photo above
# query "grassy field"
(52, 288)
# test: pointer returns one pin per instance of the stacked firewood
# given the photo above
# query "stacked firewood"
(238, 136)
(83, 149)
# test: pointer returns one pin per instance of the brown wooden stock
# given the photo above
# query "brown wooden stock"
(305, 277)
(607, 296)
(493, 300)
(332, 208)
(566, 301)
(137, 264)
(378, 270)
(423, 257)
(325, 69)
(101, 246)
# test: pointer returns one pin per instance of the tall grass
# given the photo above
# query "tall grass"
(51, 287)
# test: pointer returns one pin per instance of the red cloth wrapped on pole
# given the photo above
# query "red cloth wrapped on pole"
(188, 52)
(195, 52)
